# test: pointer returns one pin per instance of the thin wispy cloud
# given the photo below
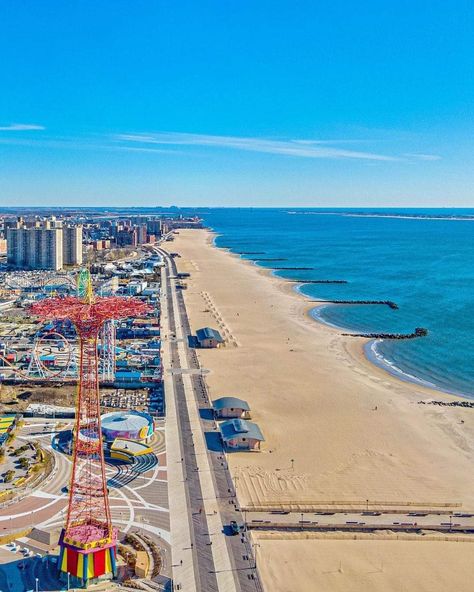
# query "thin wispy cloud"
(21, 127)
(91, 143)
(295, 148)
(424, 156)
(180, 143)
(143, 149)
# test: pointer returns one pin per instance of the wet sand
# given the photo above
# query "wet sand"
(354, 431)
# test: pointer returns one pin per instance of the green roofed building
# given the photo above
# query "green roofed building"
(208, 338)
(239, 434)
(231, 407)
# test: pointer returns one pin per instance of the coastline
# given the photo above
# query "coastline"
(378, 360)
(355, 432)
(355, 348)
(368, 353)
(358, 350)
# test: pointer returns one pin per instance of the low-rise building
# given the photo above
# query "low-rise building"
(8, 423)
(142, 564)
(231, 407)
(136, 287)
(208, 338)
(239, 434)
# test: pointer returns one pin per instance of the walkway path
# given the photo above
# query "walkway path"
(205, 498)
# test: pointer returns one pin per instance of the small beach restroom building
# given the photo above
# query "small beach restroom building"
(239, 434)
(231, 407)
(208, 338)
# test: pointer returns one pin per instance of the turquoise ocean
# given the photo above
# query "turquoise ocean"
(421, 259)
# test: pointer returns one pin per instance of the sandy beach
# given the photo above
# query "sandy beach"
(354, 431)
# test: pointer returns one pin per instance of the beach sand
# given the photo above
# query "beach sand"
(354, 431)
(373, 565)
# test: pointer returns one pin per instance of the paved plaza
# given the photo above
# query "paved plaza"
(138, 499)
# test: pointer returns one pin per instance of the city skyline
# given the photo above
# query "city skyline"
(237, 105)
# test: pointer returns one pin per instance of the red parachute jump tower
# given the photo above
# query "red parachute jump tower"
(88, 540)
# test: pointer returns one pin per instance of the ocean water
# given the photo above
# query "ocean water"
(421, 259)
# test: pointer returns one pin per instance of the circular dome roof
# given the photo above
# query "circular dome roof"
(125, 421)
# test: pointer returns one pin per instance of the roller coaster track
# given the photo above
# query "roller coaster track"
(37, 366)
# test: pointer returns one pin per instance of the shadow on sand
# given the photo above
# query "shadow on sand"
(206, 414)
(214, 441)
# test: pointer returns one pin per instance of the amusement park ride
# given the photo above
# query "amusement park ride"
(64, 347)
(88, 540)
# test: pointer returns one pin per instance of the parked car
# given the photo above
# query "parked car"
(234, 528)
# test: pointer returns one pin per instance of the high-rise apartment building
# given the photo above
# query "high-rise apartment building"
(46, 245)
(142, 235)
(126, 237)
(35, 248)
(154, 227)
(72, 245)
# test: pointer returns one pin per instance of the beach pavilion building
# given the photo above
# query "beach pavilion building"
(239, 434)
(208, 338)
(231, 407)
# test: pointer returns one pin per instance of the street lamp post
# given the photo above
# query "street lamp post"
(36, 586)
(255, 545)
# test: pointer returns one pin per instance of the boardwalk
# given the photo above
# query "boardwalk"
(202, 498)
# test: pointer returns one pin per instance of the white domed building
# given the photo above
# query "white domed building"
(128, 425)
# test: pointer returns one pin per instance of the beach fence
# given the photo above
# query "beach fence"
(362, 536)
(394, 507)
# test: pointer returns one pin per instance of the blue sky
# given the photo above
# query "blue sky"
(311, 103)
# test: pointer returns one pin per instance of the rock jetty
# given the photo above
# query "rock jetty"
(294, 268)
(319, 281)
(467, 404)
(418, 332)
(272, 259)
(388, 303)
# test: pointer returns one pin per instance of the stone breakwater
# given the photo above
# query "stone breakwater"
(388, 303)
(319, 281)
(418, 332)
(467, 404)
(272, 259)
(293, 268)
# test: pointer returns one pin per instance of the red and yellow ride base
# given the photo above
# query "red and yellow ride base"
(87, 565)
